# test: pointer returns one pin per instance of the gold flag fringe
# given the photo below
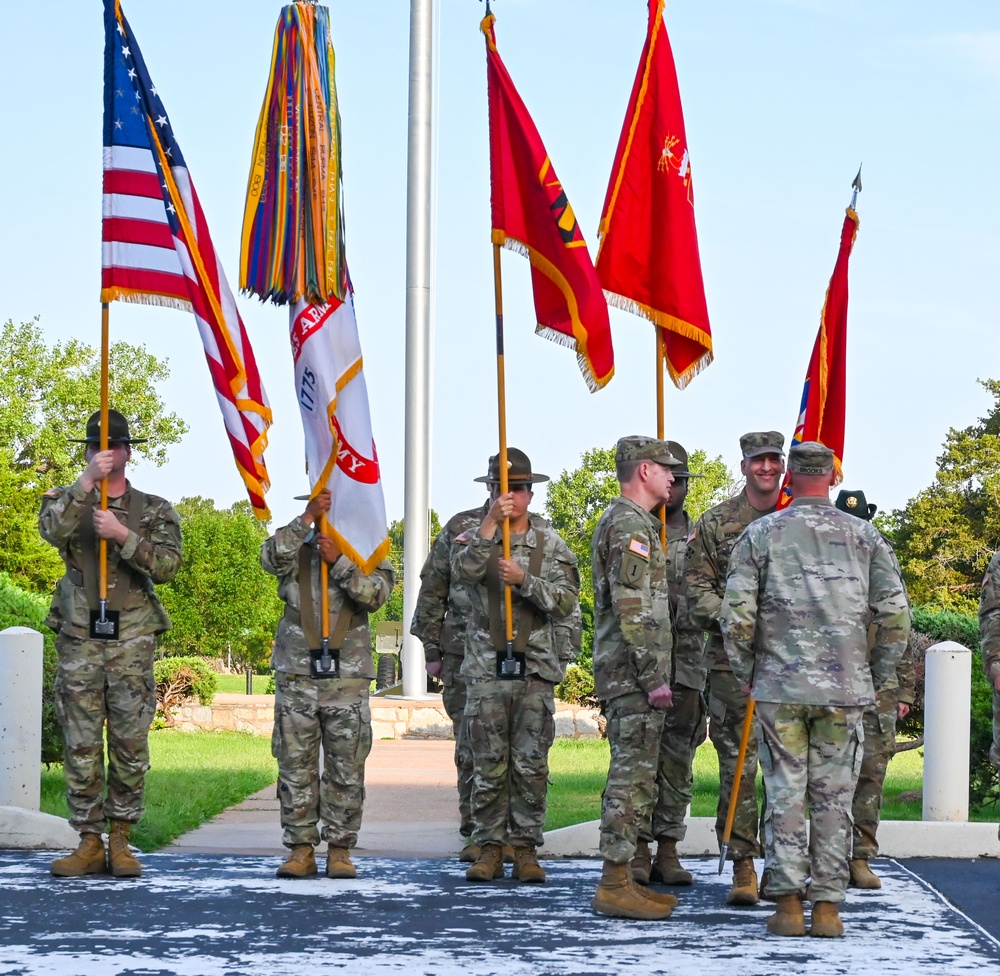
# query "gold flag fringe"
(144, 298)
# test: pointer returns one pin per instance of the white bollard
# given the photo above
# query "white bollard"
(947, 702)
(21, 718)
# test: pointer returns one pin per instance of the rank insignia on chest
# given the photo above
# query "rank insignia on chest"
(640, 548)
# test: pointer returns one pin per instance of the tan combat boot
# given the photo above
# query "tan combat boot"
(526, 866)
(641, 863)
(508, 854)
(338, 863)
(667, 868)
(826, 921)
(120, 859)
(744, 889)
(788, 918)
(862, 875)
(619, 896)
(88, 858)
(470, 853)
(301, 863)
(489, 866)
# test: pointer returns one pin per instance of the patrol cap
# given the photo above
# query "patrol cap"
(759, 442)
(518, 469)
(855, 503)
(118, 432)
(810, 457)
(635, 447)
(682, 456)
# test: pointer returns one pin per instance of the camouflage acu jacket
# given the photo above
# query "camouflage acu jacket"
(551, 596)
(707, 566)
(989, 619)
(151, 554)
(689, 667)
(443, 606)
(801, 583)
(350, 592)
(632, 639)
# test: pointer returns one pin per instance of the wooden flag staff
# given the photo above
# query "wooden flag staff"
(661, 367)
(104, 623)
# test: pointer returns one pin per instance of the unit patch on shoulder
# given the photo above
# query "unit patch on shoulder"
(639, 547)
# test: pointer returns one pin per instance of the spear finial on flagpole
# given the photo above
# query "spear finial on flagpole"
(857, 187)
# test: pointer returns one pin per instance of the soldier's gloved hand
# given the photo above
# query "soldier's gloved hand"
(99, 467)
(318, 506)
(510, 572)
(107, 526)
(661, 697)
(902, 710)
(328, 549)
(433, 668)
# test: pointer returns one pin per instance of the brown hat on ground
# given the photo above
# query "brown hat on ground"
(118, 432)
(636, 447)
(759, 442)
(810, 458)
(518, 470)
(678, 452)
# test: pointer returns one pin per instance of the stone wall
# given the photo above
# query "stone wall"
(392, 718)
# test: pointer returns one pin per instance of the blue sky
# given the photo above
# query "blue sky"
(783, 99)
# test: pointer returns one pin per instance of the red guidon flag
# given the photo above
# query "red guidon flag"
(824, 393)
(340, 449)
(532, 215)
(648, 260)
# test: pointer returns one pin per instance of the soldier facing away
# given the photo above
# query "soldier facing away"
(704, 585)
(510, 710)
(891, 703)
(632, 652)
(321, 700)
(803, 584)
(989, 629)
(106, 681)
(684, 720)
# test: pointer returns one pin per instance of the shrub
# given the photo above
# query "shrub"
(19, 608)
(178, 680)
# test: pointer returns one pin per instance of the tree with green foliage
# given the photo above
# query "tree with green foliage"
(221, 599)
(944, 537)
(46, 395)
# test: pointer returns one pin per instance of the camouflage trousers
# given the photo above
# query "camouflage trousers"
(683, 732)
(310, 713)
(810, 756)
(453, 696)
(635, 730)
(511, 725)
(880, 746)
(995, 750)
(105, 684)
(727, 709)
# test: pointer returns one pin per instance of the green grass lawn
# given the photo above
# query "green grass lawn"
(236, 684)
(194, 777)
(578, 769)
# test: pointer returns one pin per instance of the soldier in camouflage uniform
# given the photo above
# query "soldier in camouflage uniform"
(684, 720)
(891, 703)
(632, 665)
(802, 583)
(439, 621)
(989, 630)
(315, 705)
(107, 682)
(511, 723)
(704, 585)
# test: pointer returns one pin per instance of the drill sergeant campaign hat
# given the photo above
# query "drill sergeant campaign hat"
(635, 447)
(678, 452)
(855, 503)
(518, 470)
(810, 458)
(118, 432)
(759, 442)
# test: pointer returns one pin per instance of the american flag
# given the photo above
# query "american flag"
(157, 249)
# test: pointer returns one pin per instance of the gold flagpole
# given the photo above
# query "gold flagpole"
(661, 367)
(502, 416)
(103, 560)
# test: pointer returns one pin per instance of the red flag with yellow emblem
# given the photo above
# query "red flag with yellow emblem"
(648, 261)
(531, 215)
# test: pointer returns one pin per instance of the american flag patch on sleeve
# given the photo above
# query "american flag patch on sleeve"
(640, 547)
(464, 537)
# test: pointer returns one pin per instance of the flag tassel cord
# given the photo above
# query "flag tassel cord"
(105, 382)
(502, 424)
(661, 366)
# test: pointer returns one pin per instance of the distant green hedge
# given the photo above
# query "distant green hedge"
(18, 608)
